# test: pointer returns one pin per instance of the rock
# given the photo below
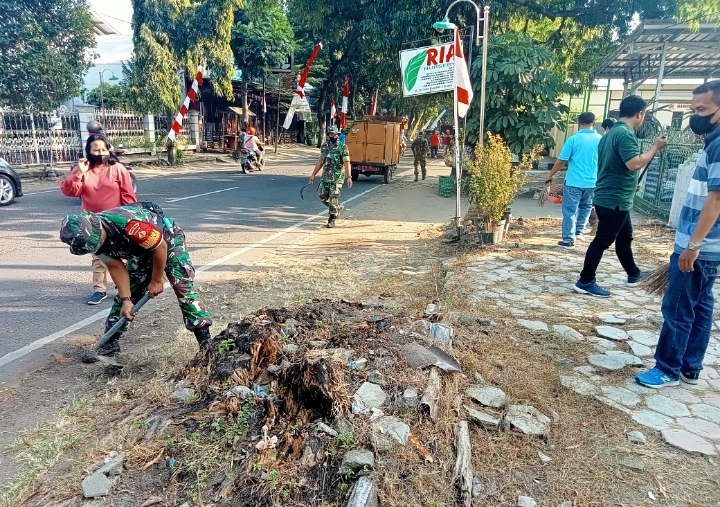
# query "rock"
(486, 322)
(483, 419)
(647, 338)
(465, 320)
(487, 396)
(526, 501)
(688, 442)
(652, 419)
(707, 412)
(376, 377)
(533, 325)
(629, 359)
(370, 395)
(318, 344)
(410, 398)
(527, 419)
(112, 465)
(240, 392)
(358, 364)
(639, 349)
(632, 462)
(357, 460)
(290, 348)
(96, 485)
(183, 395)
(579, 385)
(607, 318)
(611, 333)
(544, 457)
(431, 309)
(566, 503)
(344, 426)
(667, 406)
(364, 494)
(326, 429)
(636, 437)
(478, 378)
(393, 428)
(621, 395)
(418, 356)
(289, 328)
(567, 333)
(602, 344)
(345, 355)
(606, 362)
(701, 428)
(477, 487)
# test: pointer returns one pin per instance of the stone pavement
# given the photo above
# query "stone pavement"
(609, 340)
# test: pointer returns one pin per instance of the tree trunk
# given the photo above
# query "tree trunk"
(171, 154)
(245, 115)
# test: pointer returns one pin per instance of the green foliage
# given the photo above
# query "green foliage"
(43, 51)
(522, 94)
(346, 439)
(179, 156)
(112, 96)
(225, 346)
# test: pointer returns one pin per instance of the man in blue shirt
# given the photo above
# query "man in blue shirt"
(580, 154)
(687, 306)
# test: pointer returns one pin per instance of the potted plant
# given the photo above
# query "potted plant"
(492, 186)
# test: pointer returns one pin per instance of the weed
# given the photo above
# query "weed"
(256, 467)
(346, 439)
(273, 475)
(286, 338)
(225, 346)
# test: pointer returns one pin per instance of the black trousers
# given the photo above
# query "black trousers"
(615, 226)
(433, 151)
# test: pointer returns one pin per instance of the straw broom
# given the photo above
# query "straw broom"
(548, 190)
(656, 283)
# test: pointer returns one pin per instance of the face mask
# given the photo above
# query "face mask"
(702, 125)
(98, 160)
(333, 139)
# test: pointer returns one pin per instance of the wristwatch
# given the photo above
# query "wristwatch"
(693, 246)
(127, 298)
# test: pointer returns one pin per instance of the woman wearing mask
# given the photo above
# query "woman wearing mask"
(102, 183)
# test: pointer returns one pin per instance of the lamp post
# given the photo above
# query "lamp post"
(445, 24)
(113, 78)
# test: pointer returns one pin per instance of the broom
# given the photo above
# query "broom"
(656, 283)
(548, 190)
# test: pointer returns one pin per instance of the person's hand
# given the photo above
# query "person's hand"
(155, 288)
(312, 178)
(126, 308)
(661, 142)
(687, 259)
(83, 165)
(349, 181)
(548, 179)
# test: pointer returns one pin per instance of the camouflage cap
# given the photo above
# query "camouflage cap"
(82, 232)
(332, 129)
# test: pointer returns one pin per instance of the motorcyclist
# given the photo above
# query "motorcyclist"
(253, 144)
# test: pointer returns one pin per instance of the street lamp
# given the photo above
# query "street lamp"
(446, 24)
(113, 78)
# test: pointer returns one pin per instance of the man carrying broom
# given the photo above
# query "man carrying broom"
(687, 305)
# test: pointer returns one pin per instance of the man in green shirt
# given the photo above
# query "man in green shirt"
(619, 165)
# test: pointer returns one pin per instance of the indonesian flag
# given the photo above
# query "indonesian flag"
(346, 94)
(301, 84)
(463, 88)
(333, 109)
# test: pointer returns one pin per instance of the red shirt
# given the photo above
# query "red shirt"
(446, 139)
(101, 188)
(434, 140)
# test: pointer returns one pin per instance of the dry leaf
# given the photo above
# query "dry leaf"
(153, 500)
(422, 449)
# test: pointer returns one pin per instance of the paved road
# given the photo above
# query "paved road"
(43, 288)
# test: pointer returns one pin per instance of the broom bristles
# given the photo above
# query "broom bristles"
(657, 282)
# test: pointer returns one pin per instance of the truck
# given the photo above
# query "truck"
(374, 146)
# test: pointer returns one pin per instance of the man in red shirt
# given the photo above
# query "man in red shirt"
(434, 144)
(447, 139)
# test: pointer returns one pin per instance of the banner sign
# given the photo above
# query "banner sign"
(429, 69)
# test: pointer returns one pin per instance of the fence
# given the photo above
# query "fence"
(658, 186)
(123, 127)
(39, 138)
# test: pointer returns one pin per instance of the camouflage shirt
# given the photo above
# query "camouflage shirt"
(132, 232)
(333, 156)
(420, 146)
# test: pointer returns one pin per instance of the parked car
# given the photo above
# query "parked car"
(10, 185)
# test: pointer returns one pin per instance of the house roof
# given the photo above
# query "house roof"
(102, 26)
(688, 53)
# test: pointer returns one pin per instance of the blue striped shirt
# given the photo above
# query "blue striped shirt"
(706, 178)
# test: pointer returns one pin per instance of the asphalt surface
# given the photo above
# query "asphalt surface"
(44, 288)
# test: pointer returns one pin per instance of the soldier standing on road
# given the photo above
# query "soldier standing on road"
(419, 148)
(335, 162)
(152, 246)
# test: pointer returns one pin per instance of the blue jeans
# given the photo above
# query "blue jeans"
(576, 209)
(688, 309)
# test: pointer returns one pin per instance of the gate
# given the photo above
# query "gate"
(40, 138)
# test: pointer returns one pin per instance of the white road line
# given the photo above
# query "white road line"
(13, 356)
(44, 192)
(200, 195)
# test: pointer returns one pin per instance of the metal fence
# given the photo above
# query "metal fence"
(39, 138)
(161, 130)
(123, 127)
(656, 191)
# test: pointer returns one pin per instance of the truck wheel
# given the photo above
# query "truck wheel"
(354, 174)
(387, 174)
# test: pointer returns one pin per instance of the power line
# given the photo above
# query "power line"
(113, 17)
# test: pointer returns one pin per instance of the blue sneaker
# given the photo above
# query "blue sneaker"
(656, 379)
(634, 280)
(97, 298)
(592, 289)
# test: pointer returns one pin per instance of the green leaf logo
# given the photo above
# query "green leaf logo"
(412, 70)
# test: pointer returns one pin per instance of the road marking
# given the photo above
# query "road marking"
(17, 354)
(43, 192)
(200, 195)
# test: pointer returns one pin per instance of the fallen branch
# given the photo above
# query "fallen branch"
(463, 465)
(432, 393)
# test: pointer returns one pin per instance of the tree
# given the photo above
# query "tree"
(522, 94)
(261, 39)
(112, 96)
(43, 51)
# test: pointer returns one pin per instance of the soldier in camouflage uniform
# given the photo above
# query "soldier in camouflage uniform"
(335, 162)
(152, 246)
(420, 147)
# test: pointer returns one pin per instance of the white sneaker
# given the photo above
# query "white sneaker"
(580, 237)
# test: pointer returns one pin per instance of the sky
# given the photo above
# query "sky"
(118, 13)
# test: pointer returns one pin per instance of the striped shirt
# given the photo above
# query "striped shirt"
(706, 178)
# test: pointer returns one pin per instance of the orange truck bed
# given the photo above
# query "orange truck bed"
(374, 142)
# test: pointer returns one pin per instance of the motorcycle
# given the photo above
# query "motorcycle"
(249, 161)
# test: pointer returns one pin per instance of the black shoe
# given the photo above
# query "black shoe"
(424, 176)
(109, 349)
(690, 378)
(203, 336)
(416, 178)
(331, 222)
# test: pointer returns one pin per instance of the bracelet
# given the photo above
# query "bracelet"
(127, 298)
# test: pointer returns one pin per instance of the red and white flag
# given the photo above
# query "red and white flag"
(373, 109)
(303, 78)
(333, 110)
(264, 104)
(463, 88)
(299, 101)
(344, 110)
(192, 95)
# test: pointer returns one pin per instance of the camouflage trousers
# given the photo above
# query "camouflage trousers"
(181, 275)
(329, 192)
(420, 161)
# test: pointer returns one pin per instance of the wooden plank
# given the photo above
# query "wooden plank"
(463, 473)
(429, 400)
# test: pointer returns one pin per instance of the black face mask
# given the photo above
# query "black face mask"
(702, 125)
(333, 139)
(97, 160)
